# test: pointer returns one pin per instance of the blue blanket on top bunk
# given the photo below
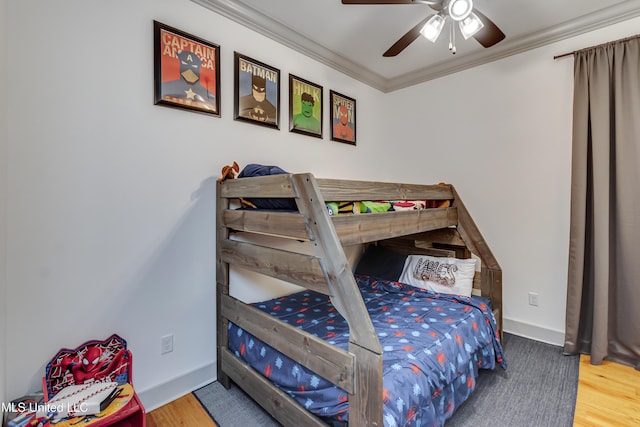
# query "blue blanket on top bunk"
(433, 346)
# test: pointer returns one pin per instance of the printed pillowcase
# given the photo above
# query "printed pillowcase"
(440, 274)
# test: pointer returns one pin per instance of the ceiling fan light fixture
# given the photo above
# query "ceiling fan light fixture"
(470, 25)
(459, 9)
(432, 28)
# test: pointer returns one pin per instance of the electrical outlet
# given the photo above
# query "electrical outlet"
(533, 299)
(166, 344)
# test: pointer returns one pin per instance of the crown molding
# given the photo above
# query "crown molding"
(251, 18)
(584, 24)
(281, 33)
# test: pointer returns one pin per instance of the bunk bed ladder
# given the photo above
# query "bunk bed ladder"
(365, 405)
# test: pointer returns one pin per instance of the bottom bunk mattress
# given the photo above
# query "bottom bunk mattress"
(433, 345)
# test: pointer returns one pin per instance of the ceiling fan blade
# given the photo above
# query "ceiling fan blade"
(490, 34)
(407, 39)
(378, 2)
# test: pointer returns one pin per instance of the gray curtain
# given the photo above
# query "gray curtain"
(603, 295)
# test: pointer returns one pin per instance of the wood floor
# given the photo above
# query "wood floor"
(608, 396)
(185, 411)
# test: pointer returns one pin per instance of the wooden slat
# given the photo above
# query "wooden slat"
(326, 360)
(282, 407)
(411, 247)
(299, 269)
(290, 225)
(437, 252)
(353, 229)
(458, 251)
(278, 186)
(349, 190)
(448, 236)
(334, 189)
(365, 408)
(441, 242)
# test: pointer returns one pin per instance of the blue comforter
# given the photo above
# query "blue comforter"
(433, 346)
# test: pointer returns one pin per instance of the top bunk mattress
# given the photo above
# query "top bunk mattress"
(433, 346)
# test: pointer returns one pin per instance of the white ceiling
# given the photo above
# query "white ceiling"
(352, 38)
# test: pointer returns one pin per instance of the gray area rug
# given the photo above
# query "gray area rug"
(538, 389)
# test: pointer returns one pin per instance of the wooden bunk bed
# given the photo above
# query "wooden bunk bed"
(358, 369)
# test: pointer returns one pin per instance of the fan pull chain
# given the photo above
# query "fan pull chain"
(452, 39)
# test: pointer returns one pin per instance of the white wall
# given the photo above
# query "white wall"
(111, 199)
(501, 133)
(110, 213)
(3, 197)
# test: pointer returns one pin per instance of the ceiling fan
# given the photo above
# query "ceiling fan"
(472, 23)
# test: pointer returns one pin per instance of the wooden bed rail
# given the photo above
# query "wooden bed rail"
(299, 269)
(280, 186)
(330, 362)
(367, 228)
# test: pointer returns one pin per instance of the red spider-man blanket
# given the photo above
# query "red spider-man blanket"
(93, 361)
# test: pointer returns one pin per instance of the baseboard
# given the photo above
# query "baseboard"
(534, 332)
(161, 394)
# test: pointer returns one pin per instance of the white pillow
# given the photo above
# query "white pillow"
(439, 274)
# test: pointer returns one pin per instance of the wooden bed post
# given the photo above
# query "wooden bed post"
(222, 287)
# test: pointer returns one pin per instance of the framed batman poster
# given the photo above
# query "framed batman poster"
(257, 92)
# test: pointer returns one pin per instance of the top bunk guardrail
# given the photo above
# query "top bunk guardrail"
(304, 188)
(366, 228)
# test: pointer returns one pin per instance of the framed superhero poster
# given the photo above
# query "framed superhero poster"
(257, 92)
(305, 107)
(187, 71)
(343, 118)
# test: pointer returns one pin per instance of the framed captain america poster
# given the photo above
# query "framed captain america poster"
(186, 71)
